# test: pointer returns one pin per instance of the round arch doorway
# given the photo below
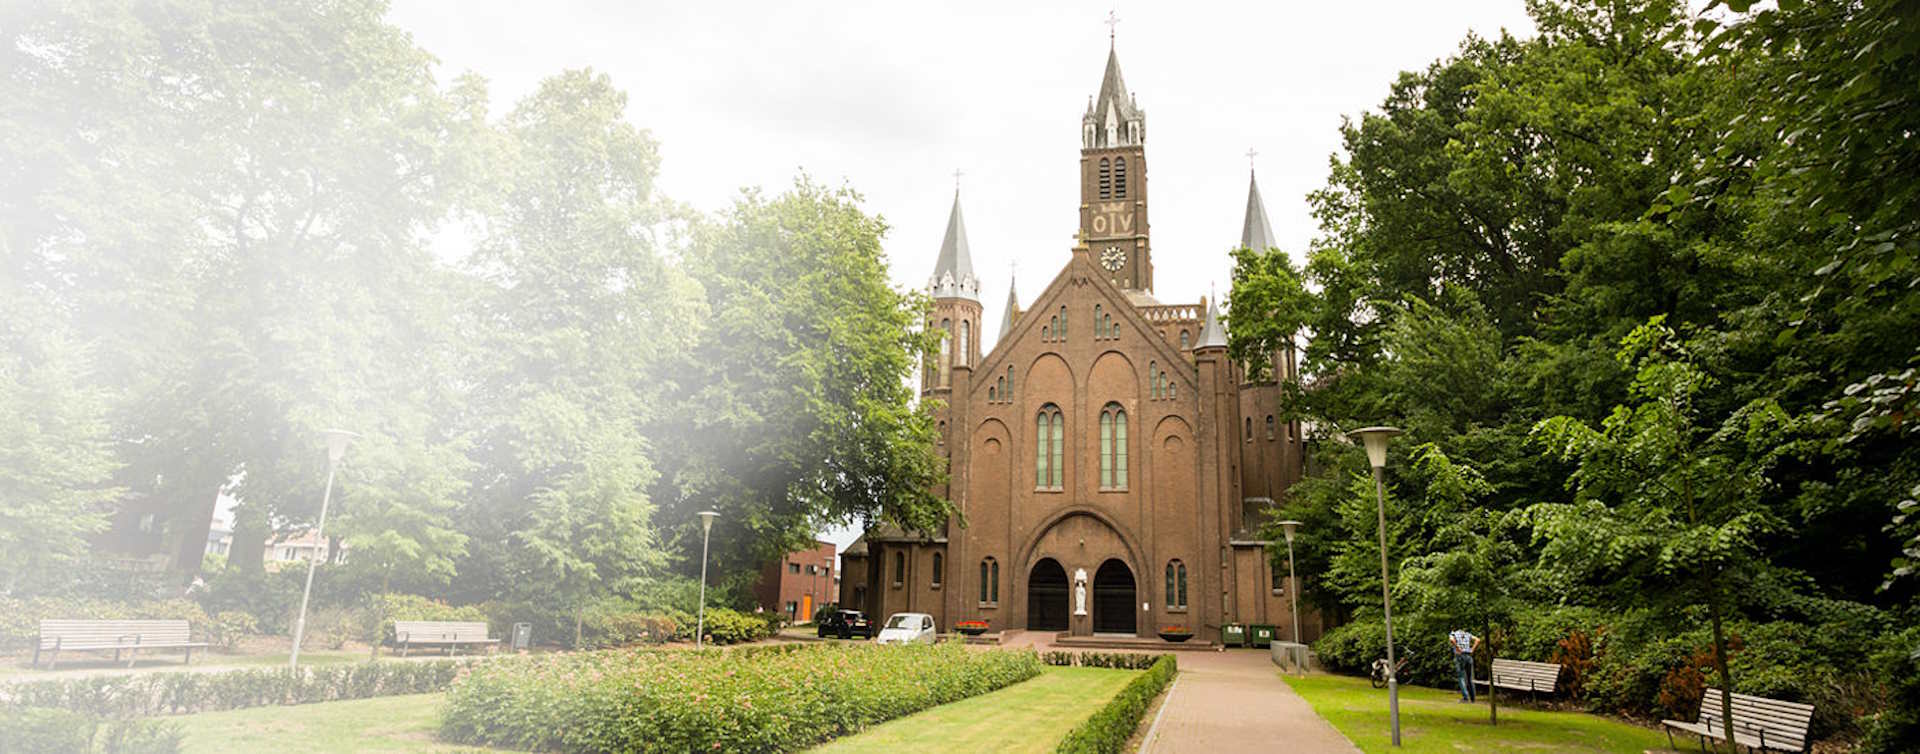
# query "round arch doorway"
(1047, 596)
(1113, 598)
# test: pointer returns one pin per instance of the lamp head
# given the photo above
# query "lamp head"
(706, 521)
(1288, 527)
(1375, 441)
(337, 440)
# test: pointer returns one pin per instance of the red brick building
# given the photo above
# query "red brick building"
(1112, 466)
(799, 583)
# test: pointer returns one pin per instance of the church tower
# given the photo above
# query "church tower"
(1113, 182)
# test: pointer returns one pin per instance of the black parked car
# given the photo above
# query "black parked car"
(845, 624)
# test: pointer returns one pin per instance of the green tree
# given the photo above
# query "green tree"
(1664, 499)
(794, 408)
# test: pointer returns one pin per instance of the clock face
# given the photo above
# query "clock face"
(1112, 258)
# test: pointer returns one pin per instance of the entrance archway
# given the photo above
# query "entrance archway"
(1047, 596)
(1113, 611)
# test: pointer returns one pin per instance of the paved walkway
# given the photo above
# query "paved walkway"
(1235, 701)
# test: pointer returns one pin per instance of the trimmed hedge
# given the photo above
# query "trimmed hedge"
(40, 731)
(775, 700)
(1109, 729)
(150, 694)
(1115, 660)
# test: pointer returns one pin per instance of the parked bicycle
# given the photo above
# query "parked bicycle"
(1379, 673)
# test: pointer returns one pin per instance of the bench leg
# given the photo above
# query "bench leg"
(36, 655)
(403, 649)
(133, 655)
(189, 660)
(53, 659)
(116, 655)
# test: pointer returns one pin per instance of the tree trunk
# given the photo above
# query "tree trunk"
(1711, 593)
(579, 617)
(250, 532)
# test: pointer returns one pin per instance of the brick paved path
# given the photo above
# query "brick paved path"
(1233, 702)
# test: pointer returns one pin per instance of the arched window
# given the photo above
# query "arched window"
(1249, 429)
(1176, 585)
(1120, 178)
(1184, 339)
(1106, 178)
(1113, 447)
(966, 331)
(946, 348)
(1005, 393)
(993, 394)
(1269, 426)
(1062, 332)
(1159, 380)
(1099, 316)
(899, 569)
(989, 581)
(1050, 444)
(939, 569)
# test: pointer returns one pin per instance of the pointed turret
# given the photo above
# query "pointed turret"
(953, 274)
(1212, 335)
(1113, 118)
(1013, 309)
(1256, 233)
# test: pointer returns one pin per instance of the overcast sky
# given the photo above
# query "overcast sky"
(891, 98)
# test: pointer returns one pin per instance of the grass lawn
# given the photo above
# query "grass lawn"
(1432, 720)
(1030, 716)
(383, 724)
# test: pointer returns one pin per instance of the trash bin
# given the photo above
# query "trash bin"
(522, 636)
(1233, 635)
(1260, 635)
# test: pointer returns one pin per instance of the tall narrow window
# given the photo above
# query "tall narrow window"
(996, 579)
(1113, 447)
(939, 569)
(1159, 380)
(1269, 426)
(899, 569)
(1062, 332)
(1120, 178)
(1099, 316)
(1009, 396)
(1249, 429)
(1184, 339)
(1106, 178)
(989, 581)
(946, 349)
(1049, 446)
(966, 332)
(1176, 585)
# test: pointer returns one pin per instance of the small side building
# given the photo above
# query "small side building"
(799, 583)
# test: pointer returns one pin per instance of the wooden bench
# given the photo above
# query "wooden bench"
(121, 636)
(1759, 723)
(436, 633)
(1520, 675)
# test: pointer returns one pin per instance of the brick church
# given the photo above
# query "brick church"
(1111, 465)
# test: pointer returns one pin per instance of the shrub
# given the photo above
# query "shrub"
(228, 628)
(1116, 660)
(734, 627)
(150, 694)
(1108, 730)
(268, 596)
(773, 700)
(38, 731)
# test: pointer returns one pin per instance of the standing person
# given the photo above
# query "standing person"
(1463, 644)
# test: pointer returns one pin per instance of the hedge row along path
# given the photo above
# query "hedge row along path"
(1235, 701)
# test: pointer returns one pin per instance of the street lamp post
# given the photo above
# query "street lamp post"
(706, 536)
(337, 440)
(1293, 586)
(1375, 441)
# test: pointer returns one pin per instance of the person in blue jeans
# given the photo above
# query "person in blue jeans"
(1463, 644)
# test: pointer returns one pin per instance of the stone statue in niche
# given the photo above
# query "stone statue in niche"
(1080, 591)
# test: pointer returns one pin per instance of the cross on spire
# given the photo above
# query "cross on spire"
(1113, 24)
(956, 178)
(1250, 155)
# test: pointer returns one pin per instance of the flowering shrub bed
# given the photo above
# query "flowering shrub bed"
(1115, 660)
(733, 701)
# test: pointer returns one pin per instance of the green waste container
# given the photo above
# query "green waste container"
(1233, 635)
(1260, 635)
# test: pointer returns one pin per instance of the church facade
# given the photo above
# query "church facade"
(1110, 464)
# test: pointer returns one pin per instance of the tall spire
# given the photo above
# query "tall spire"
(1013, 308)
(1113, 119)
(1212, 335)
(1256, 233)
(953, 275)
